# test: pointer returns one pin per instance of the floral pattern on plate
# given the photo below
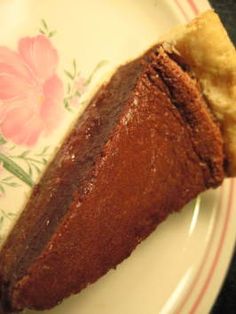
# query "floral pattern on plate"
(33, 102)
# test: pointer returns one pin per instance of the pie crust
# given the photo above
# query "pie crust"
(206, 47)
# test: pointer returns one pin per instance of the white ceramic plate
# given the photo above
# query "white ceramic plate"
(180, 267)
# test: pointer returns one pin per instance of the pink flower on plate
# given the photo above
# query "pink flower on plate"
(79, 87)
(31, 93)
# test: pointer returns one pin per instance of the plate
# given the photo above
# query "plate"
(53, 56)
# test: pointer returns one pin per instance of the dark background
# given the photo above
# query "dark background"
(226, 301)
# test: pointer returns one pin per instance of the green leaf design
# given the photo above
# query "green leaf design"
(12, 184)
(11, 215)
(68, 88)
(44, 161)
(67, 105)
(43, 152)
(33, 162)
(5, 215)
(24, 154)
(45, 25)
(42, 31)
(2, 140)
(12, 147)
(69, 75)
(16, 170)
(30, 171)
(2, 190)
(74, 67)
(8, 182)
(72, 91)
(7, 179)
(98, 66)
(52, 33)
(36, 168)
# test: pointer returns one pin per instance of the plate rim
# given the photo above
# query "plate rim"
(201, 300)
(202, 296)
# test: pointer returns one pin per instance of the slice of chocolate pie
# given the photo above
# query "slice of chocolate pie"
(152, 138)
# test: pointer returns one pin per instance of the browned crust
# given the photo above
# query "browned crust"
(206, 47)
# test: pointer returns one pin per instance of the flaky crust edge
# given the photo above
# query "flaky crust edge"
(205, 46)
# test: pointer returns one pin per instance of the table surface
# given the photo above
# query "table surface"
(226, 301)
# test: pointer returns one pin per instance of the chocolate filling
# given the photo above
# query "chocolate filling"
(71, 175)
(51, 198)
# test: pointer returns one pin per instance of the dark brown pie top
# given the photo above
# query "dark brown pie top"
(145, 146)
